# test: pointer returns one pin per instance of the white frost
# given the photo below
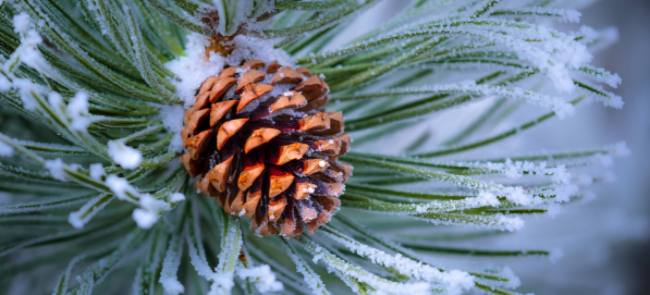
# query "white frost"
(145, 219)
(123, 155)
(177, 197)
(150, 210)
(97, 171)
(77, 110)
(120, 186)
(80, 217)
(172, 260)
(21, 23)
(5, 85)
(263, 278)
(56, 169)
(455, 280)
(172, 118)
(25, 88)
(193, 68)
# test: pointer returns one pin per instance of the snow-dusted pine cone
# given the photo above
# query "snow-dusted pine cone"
(265, 148)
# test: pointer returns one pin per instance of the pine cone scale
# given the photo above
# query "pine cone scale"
(265, 148)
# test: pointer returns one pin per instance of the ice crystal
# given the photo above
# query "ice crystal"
(93, 95)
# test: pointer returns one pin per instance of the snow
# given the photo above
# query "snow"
(75, 220)
(311, 278)
(21, 23)
(571, 16)
(263, 278)
(123, 155)
(511, 223)
(80, 217)
(144, 219)
(5, 84)
(172, 118)
(554, 56)
(56, 169)
(120, 186)
(172, 286)
(54, 99)
(150, 203)
(193, 68)
(25, 88)
(223, 281)
(455, 280)
(29, 53)
(97, 171)
(77, 110)
(150, 210)
(517, 195)
(347, 269)
(177, 197)
(6, 150)
(485, 198)
(172, 261)
(309, 190)
(516, 170)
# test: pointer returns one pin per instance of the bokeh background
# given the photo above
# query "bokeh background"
(605, 242)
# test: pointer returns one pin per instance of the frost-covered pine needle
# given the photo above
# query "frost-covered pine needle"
(93, 95)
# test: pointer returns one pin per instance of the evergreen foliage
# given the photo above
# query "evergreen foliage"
(97, 201)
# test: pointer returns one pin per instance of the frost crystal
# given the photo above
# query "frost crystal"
(120, 186)
(144, 219)
(168, 277)
(56, 169)
(423, 93)
(172, 118)
(455, 280)
(194, 69)
(5, 84)
(21, 23)
(123, 155)
(263, 278)
(97, 171)
(150, 211)
(25, 88)
(77, 110)
(177, 197)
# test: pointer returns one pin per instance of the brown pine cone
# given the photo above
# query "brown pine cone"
(266, 149)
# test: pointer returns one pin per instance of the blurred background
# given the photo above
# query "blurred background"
(605, 242)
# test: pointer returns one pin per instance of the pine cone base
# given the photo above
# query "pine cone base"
(264, 147)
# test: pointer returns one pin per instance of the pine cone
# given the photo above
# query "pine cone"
(265, 148)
